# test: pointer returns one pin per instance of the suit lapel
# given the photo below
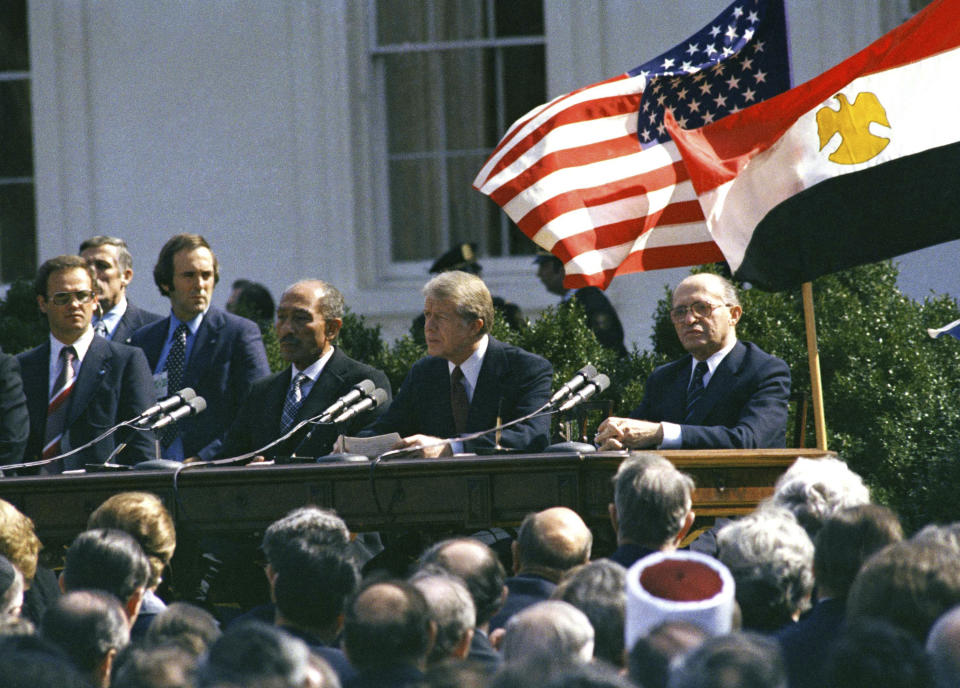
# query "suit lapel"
(35, 370)
(486, 395)
(204, 345)
(676, 398)
(93, 369)
(326, 388)
(721, 382)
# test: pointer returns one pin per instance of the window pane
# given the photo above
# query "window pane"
(467, 91)
(526, 85)
(415, 103)
(470, 213)
(18, 245)
(16, 149)
(415, 209)
(420, 21)
(515, 18)
(14, 53)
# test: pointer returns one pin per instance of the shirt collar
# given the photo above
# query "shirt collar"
(80, 346)
(715, 359)
(313, 370)
(193, 324)
(471, 367)
(112, 316)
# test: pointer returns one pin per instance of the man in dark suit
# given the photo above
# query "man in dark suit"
(470, 381)
(309, 319)
(602, 317)
(77, 384)
(726, 394)
(14, 419)
(217, 354)
(117, 319)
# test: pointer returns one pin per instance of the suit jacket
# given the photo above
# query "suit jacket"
(258, 421)
(227, 356)
(113, 385)
(14, 419)
(811, 637)
(133, 319)
(743, 407)
(524, 590)
(511, 379)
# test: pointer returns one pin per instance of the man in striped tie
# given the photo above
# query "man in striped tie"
(78, 385)
(725, 394)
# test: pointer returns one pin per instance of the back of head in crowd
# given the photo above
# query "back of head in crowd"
(451, 610)
(476, 565)
(154, 667)
(737, 660)
(551, 542)
(943, 648)
(255, 655)
(108, 560)
(872, 653)
(311, 584)
(185, 626)
(18, 540)
(598, 589)
(91, 628)
(11, 589)
(387, 625)
(771, 559)
(846, 540)
(813, 489)
(651, 657)
(909, 584)
(551, 629)
(653, 502)
(316, 525)
(35, 663)
(142, 515)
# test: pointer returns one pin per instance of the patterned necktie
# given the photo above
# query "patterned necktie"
(292, 403)
(695, 391)
(101, 329)
(175, 363)
(57, 406)
(459, 402)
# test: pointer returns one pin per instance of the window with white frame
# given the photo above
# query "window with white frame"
(18, 241)
(453, 75)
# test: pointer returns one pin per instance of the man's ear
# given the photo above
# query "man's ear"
(132, 605)
(41, 304)
(685, 528)
(614, 521)
(333, 328)
(515, 553)
(63, 588)
(735, 313)
(126, 276)
(462, 648)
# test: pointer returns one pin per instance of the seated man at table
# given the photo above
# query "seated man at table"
(470, 381)
(309, 319)
(725, 394)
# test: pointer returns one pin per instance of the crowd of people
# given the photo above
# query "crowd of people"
(817, 587)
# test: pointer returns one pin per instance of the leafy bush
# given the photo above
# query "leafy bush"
(22, 326)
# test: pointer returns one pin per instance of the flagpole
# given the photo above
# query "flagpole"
(816, 391)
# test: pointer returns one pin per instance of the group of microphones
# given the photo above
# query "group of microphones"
(176, 407)
(584, 384)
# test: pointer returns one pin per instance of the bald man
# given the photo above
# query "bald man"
(549, 543)
(724, 394)
(309, 318)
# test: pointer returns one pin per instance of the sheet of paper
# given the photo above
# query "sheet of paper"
(368, 446)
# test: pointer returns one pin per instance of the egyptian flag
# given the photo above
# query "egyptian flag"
(860, 164)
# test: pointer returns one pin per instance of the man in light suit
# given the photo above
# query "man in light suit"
(309, 319)
(117, 319)
(106, 382)
(726, 394)
(218, 354)
(496, 381)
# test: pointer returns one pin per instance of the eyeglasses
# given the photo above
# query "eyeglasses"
(62, 298)
(700, 309)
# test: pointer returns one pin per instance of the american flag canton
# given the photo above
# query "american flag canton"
(735, 61)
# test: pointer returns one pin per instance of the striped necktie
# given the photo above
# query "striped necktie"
(57, 405)
(292, 403)
(695, 390)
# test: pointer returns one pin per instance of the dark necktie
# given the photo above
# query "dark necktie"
(175, 363)
(57, 406)
(292, 403)
(459, 402)
(695, 390)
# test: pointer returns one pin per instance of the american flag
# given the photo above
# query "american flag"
(593, 177)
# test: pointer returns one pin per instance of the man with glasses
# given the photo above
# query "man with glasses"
(79, 385)
(726, 394)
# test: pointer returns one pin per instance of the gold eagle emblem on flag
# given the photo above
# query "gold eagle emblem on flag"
(852, 121)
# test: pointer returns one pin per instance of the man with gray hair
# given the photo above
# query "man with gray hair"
(552, 629)
(652, 509)
(815, 489)
(117, 318)
(309, 318)
(725, 394)
(451, 609)
(469, 382)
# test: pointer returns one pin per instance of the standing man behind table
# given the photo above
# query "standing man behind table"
(726, 394)
(217, 354)
(77, 384)
(117, 319)
(309, 319)
(470, 380)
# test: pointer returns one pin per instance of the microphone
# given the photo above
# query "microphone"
(191, 408)
(597, 384)
(582, 376)
(173, 401)
(371, 402)
(360, 390)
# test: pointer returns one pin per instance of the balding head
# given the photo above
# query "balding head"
(551, 542)
(477, 566)
(552, 629)
(387, 624)
(708, 331)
